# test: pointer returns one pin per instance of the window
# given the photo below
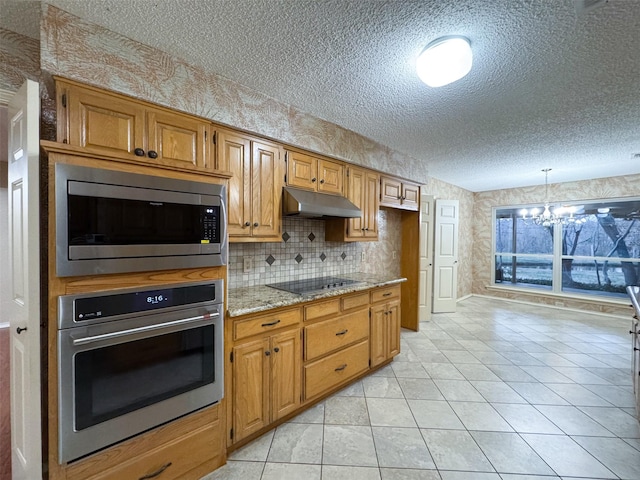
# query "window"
(595, 251)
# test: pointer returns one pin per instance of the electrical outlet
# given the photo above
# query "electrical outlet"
(394, 254)
(362, 259)
(247, 264)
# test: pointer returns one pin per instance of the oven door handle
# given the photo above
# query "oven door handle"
(148, 328)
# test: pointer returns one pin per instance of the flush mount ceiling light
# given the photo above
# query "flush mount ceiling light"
(444, 61)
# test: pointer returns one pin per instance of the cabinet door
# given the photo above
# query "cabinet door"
(234, 155)
(178, 140)
(391, 194)
(377, 335)
(267, 182)
(302, 170)
(410, 196)
(393, 329)
(98, 120)
(356, 192)
(286, 357)
(371, 205)
(330, 177)
(250, 388)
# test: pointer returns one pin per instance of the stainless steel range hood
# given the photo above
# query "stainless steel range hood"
(304, 203)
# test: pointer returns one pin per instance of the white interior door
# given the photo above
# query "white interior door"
(426, 257)
(24, 268)
(445, 259)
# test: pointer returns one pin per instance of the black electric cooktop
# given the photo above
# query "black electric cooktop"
(313, 285)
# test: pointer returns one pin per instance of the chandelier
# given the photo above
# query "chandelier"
(550, 215)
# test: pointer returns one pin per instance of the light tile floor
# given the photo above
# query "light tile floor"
(496, 391)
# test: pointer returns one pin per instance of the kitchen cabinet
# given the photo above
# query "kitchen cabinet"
(385, 324)
(266, 374)
(336, 342)
(316, 174)
(363, 187)
(189, 447)
(399, 193)
(255, 189)
(135, 131)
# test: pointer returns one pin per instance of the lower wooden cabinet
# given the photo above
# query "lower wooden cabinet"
(266, 381)
(287, 358)
(183, 449)
(385, 324)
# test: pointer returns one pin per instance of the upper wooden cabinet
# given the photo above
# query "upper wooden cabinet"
(312, 173)
(255, 189)
(363, 189)
(117, 125)
(399, 194)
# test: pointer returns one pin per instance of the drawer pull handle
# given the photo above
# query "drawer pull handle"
(341, 367)
(341, 332)
(271, 324)
(388, 294)
(157, 472)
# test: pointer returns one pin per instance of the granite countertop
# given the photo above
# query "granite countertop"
(260, 298)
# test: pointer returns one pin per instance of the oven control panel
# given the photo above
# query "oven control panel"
(74, 310)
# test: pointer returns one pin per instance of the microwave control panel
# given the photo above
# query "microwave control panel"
(210, 219)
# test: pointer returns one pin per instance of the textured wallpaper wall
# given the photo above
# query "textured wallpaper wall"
(612, 187)
(20, 59)
(88, 53)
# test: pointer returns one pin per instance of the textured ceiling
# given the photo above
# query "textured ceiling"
(549, 88)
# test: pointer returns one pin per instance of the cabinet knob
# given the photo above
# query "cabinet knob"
(322, 181)
(256, 224)
(152, 154)
(313, 180)
(267, 353)
(138, 152)
(366, 229)
(276, 349)
(247, 224)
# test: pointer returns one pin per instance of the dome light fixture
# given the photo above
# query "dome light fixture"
(444, 61)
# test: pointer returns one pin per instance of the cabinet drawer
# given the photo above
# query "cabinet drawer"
(335, 369)
(265, 323)
(324, 337)
(355, 301)
(319, 310)
(384, 294)
(177, 458)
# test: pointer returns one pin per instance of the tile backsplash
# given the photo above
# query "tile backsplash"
(303, 253)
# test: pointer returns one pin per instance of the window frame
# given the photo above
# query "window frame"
(556, 255)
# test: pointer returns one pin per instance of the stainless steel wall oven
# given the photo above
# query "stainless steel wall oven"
(110, 221)
(132, 359)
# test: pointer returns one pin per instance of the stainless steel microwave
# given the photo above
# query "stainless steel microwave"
(110, 221)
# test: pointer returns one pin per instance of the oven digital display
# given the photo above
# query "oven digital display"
(103, 307)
